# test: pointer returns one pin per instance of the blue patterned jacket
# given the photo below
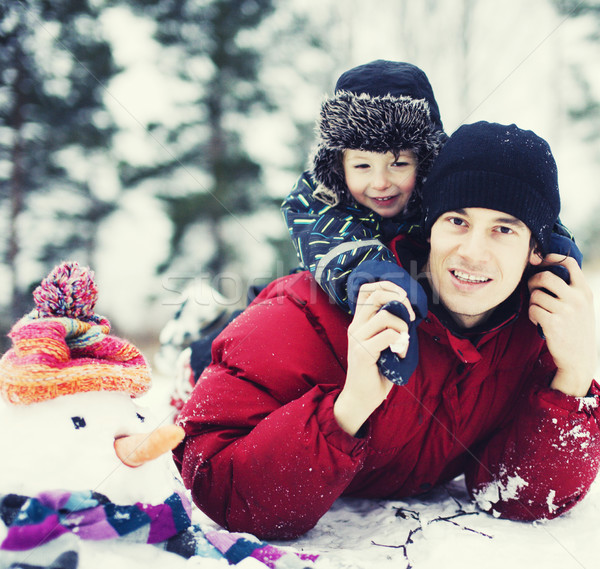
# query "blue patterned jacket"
(332, 241)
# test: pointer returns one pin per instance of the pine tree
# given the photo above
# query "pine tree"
(206, 175)
(588, 109)
(53, 70)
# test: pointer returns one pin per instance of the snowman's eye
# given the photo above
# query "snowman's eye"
(141, 417)
(79, 422)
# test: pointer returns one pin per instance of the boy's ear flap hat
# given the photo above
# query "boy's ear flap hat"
(499, 167)
(382, 106)
(61, 347)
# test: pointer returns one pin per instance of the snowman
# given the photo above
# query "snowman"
(81, 461)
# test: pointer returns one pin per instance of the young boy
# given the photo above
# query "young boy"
(378, 137)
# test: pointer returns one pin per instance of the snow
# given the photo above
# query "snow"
(500, 491)
(390, 534)
(400, 346)
(443, 528)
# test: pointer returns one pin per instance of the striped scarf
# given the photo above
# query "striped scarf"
(32, 522)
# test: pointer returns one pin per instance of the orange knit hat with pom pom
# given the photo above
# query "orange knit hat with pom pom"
(61, 347)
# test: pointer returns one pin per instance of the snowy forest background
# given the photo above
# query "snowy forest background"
(155, 139)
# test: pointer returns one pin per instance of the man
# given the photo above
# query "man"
(294, 413)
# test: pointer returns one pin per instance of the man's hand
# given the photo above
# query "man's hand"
(372, 330)
(566, 314)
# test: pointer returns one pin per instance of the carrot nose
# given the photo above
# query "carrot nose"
(135, 450)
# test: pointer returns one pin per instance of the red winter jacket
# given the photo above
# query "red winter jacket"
(264, 454)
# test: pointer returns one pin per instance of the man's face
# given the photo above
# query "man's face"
(476, 261)
(381, 182)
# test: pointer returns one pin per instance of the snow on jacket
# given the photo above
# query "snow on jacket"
(332, 241)
(264, 453)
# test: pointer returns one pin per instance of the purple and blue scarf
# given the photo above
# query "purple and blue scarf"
(32, 522)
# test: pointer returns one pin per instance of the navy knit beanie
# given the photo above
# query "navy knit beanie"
(499, 167)
(381, 106)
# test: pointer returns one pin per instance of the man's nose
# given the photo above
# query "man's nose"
(474, 246)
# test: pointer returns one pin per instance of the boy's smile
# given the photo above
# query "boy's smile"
(381, 182)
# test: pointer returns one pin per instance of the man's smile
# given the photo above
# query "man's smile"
(466, 277)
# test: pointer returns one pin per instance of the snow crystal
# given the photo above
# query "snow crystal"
(400, 346)
(550, 501)
(122, 515)
(497, 491)
(588, 404)
(578, 432)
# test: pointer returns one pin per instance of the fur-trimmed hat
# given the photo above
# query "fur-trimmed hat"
(499, 167)
(61, 347)
(382, 106)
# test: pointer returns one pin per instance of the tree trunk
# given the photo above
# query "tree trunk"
(17, 184)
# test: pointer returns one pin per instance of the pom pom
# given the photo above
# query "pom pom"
(69, 290)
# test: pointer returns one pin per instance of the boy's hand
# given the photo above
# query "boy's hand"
(566, 314)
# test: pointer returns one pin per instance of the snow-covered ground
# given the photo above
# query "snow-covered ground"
(444, 529)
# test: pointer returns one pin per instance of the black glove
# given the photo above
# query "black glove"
(398, 370)
(562, 245)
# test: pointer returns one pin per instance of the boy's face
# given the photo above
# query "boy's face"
(476, 261)
(381, 182)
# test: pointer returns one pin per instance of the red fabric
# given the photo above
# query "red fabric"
(264, 454)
